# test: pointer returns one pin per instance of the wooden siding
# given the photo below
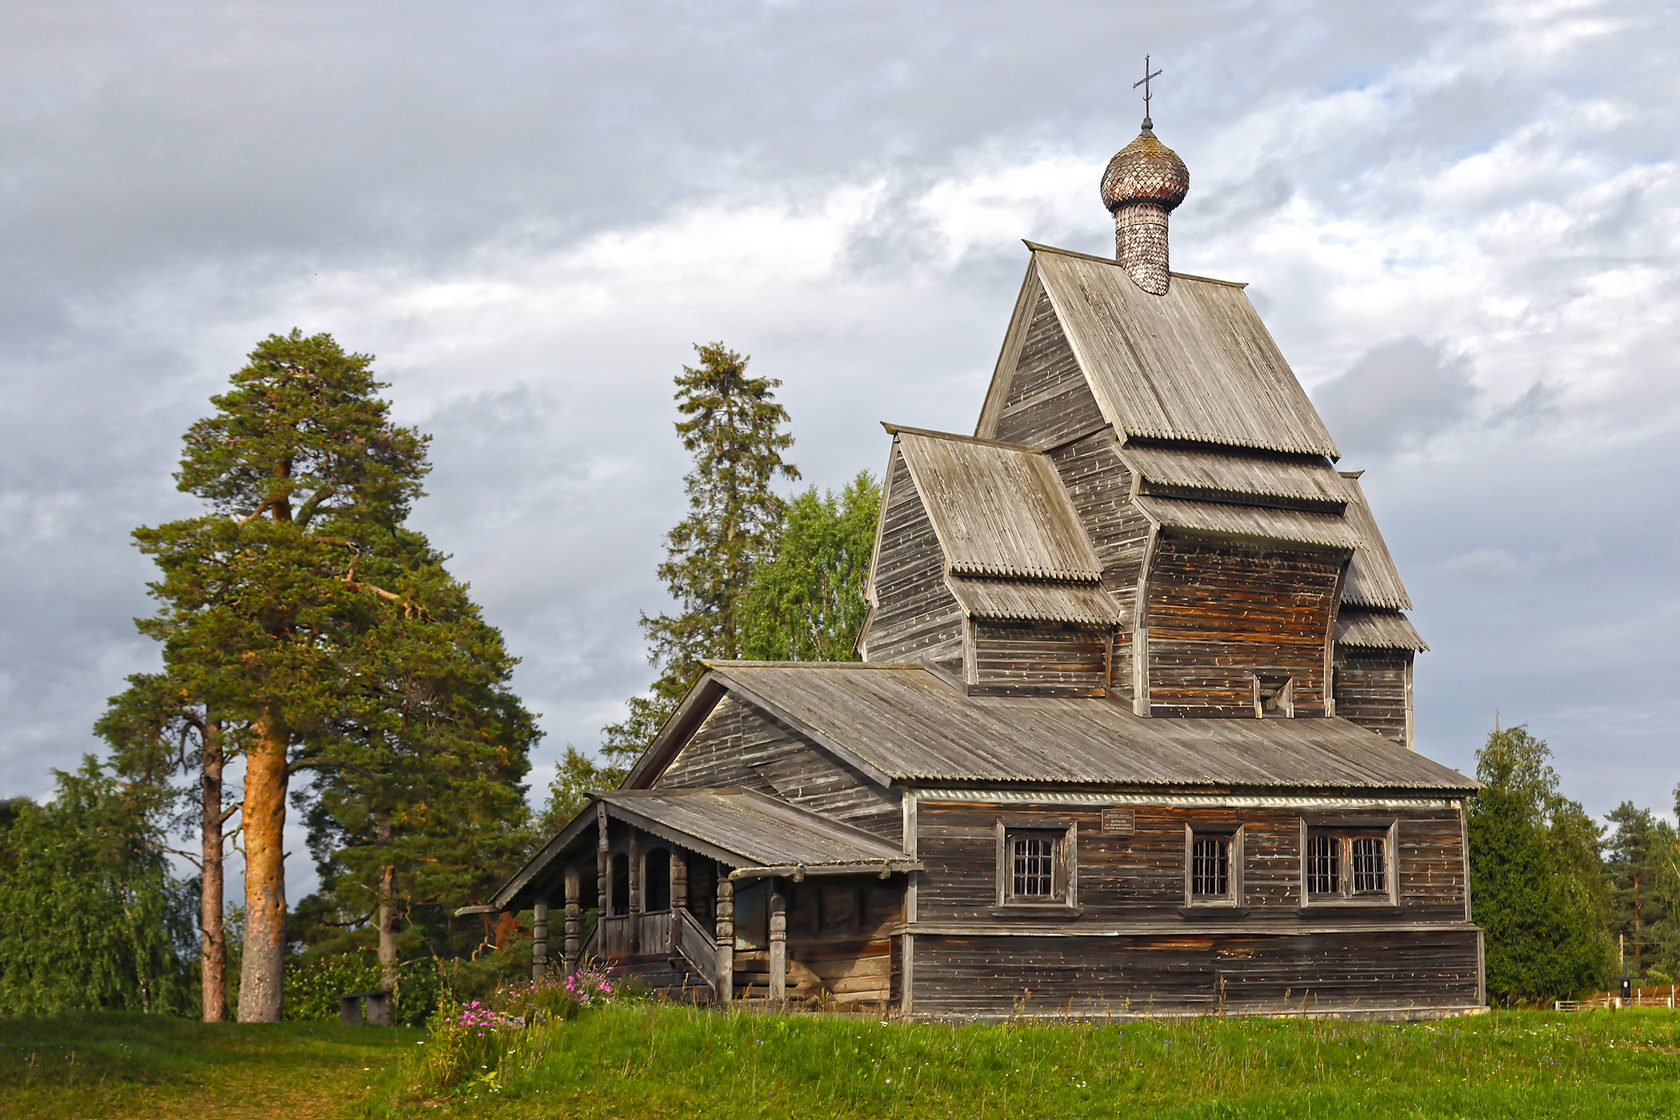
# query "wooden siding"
(1039, 659)
(1140, 876)
(1049, 399)
(738, 745)
(915, 617)
(1100, 487)
(1217, 613)
(1349, 972)
(1374, 690)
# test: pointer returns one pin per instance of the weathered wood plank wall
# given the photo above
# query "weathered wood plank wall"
(1039, 659)
(1216, 613)
(1373, 689)
(917, 617)
(738, 745)
(1048, 400)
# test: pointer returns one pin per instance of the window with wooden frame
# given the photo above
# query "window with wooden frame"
(1274, 696)
(1212, 866)
(1347, 863)
(1036, 864)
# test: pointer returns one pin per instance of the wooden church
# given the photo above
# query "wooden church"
(1132, 729)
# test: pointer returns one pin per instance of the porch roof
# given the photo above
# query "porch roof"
(742, 829)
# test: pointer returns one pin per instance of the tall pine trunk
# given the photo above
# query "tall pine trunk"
(387, 916)
(213, 947)
(262, 964)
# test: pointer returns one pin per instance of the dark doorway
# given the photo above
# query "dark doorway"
(656, 880)
(619, 886)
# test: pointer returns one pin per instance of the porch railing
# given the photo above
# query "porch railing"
(630, 935)
(697, 946)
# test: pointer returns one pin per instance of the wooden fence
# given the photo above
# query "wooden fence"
(1660, 996)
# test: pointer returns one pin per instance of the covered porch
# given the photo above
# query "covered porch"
(718, 895)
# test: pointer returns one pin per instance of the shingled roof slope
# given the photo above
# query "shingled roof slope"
(906, 723)
(753, 827)
(1372, 579)
(1210, 471)
(1195, 364)
(997, 509)
(1257, 523)
(1377, 630)
(1036, 601)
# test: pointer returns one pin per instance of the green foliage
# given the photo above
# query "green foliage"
(804, 601)
(733, 428)
(568, 793)
(1639, 867)
(314, 982)
(90, 917)
(1538, 883)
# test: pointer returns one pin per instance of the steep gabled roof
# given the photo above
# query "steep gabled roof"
(907, 724)
(1195, 364)
(1372, 578)
(998, 509)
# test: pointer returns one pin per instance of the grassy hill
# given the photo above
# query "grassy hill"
(650, 1060)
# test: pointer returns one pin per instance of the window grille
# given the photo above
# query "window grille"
(1033, 866)
(1324, 864)
(1210, 867)
(1369, 870)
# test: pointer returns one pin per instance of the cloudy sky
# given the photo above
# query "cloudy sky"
(1459, 221)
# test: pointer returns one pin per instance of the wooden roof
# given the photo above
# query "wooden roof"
(1195, 364)
(1372, 578)
(905, 724)
(1207, 472)
(998, 509)
(1036, 601)
(1377, 630)
(739, 828)
(1249, 522)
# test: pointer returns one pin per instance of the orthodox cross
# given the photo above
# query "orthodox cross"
(1144, 82)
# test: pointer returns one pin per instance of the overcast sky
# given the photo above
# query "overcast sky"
(1459, 221)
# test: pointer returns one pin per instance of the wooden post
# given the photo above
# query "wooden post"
(635, 892)
(725, 936)
(539, 938)
(603, 866)
(778, 943)
(574, 919)
(679, 892)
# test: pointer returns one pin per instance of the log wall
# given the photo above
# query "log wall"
(738, 745)
(915, 617)
(1217, 613)
(1038, 659)
(1049, 399)
(1374, 689)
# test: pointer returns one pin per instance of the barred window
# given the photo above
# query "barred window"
(1346, 865)
(1369, 866)
(1032, 866)
(1324, 864)
(1210, 866)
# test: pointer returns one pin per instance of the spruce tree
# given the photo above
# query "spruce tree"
(304, 472)
(1537, 880)
(735, 430)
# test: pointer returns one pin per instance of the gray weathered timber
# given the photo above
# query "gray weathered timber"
(1374, 630)
(1039, 659)
(1195, 364)
(1214, 473)
(1047, 399)
(1359, 973)
(997, 509)
(914, 726)
(1373, 580)
(914, 613)
(1036, 601)
(1330, 531)
(1374, 690)
(741, 745)
(1219, 615)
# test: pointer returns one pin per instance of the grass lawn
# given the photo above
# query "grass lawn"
(636, 1060)
(651, 1061)
(147, 1066)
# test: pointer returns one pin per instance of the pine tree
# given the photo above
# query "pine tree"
(734, 429)
(417, 801)
(805, 600)
(1537, 880)
(304, 473)
(1635, 854)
